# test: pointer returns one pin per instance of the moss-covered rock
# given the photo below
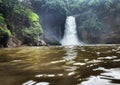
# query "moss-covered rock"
(19, 21)
(4, 32)
(31, 30)
(34, 31)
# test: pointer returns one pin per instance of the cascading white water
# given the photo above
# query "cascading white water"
(70, 33)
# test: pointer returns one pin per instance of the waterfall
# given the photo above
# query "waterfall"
(70, 33)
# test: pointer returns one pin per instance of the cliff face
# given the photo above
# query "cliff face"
(86, 32)
(53, 25)
(52, 21)
(99, 24)
(112, 31)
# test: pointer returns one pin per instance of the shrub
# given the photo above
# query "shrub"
(1, 19)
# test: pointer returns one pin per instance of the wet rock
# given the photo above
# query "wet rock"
(111, 38)
(41, 43)
(13, 42)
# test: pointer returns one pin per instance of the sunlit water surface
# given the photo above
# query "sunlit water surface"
(71, 65)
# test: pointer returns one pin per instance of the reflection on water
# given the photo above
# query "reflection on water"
(70, 54)
(71, 65)
(109, 77)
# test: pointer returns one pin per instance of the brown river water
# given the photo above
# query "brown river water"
(57, 65)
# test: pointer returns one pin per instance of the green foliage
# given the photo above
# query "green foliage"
(0, 1)
(108, 3)
(96, 24)
(68, 5)
(33, 17)
(118, 6)
(5, 31)
(21, 20)
(91, 22)
(1, 30)
(1, 19)
(21, 10)
(55, 5)
(33, 32)
(9, 3)
(3, 27)
(93, 2)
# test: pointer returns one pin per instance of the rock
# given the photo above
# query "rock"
(53, 26)
(109, 33)
(13, 42)
(41, 43)
(112, 38)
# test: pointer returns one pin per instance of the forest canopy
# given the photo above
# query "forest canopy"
(69, 5)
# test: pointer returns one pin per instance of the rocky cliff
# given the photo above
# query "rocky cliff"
(99, 23)
(18, 24)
